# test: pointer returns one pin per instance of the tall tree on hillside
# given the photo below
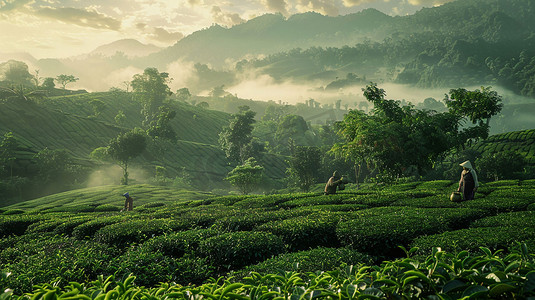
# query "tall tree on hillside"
(48, 83)
(235, 138)
(151, 88)
(16, 72)
(303, 167)
(64, 79)
(126, 147)
(8, 148)
(478, 106)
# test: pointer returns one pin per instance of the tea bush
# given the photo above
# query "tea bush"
(88, 229)
(517, 219)
(179, 243)
(15, 224)
(235, 250)
(382, 234)
(314, 260)
(132, 231)
(472, 239)
(107, 208)
(502, 201)
(50, 257)
(248, 219)
(306, 232)
(67, 226)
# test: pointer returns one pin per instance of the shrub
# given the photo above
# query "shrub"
(59, 258)
(13, 212)
(518, 219)
(88, 229)
(503, 200)
(179, 243)
(305, 232)
(132, 231)
(235, 250)
(15, 224)
(248, 219)
(382, 234)
(68, 225)
(319, 259)
(107, 208)
(47, 225)
(472, 239)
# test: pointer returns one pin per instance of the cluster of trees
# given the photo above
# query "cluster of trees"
(47, 171)
(15, 73)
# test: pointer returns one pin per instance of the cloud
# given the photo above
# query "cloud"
(326, 7)
(276, 5)
(11, 5)
(227, 19)
(80, 17)
(428, 2)
(351, 3)
(165, 36)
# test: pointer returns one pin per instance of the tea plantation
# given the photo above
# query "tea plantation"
(180, 244)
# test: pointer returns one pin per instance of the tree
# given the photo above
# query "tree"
(48, 83)
(291, 129)
(237, 135)
(98, 107)
(16, 72)
(395, 138)
(303, 167)
(500, 165)
(476, 106)
(54, 165)
(8, 148)
(64, 79)
(151, 89)
(21, 93)
(126, 147)
(246, 176)
(183, 94)
(218, 91)
(161, 126)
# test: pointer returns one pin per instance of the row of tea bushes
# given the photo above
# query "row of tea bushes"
(440, 275)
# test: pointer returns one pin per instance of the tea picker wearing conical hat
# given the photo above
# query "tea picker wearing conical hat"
(468, 183)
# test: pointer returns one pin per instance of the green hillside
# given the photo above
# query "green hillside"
(522, 142)
(187, 238)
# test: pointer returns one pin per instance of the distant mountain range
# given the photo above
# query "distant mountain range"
(129, 47)
(464, 42)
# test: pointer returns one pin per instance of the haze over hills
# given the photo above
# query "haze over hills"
(129, 47)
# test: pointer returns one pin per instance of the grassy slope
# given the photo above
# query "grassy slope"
(66, 122)
(109, 194)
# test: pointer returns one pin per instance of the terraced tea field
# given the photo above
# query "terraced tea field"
(188, 237)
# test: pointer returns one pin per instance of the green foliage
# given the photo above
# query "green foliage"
(64, 79)
(314, 260)
(246, 177)
(395, 138)
(500, 165)
(306, 232)
(133, 231)
(126, 147)
(231, 251)
(15, 224)
(303, 167)
(237, 135)
(88, 229)
(151, 89)
(179, 243)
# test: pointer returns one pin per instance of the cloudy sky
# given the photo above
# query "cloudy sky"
(62, 28)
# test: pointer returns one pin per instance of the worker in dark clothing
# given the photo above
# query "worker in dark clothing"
(333, 183)
(128, 202)
(468, 184)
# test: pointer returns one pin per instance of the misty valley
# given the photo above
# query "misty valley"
(205, 169)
